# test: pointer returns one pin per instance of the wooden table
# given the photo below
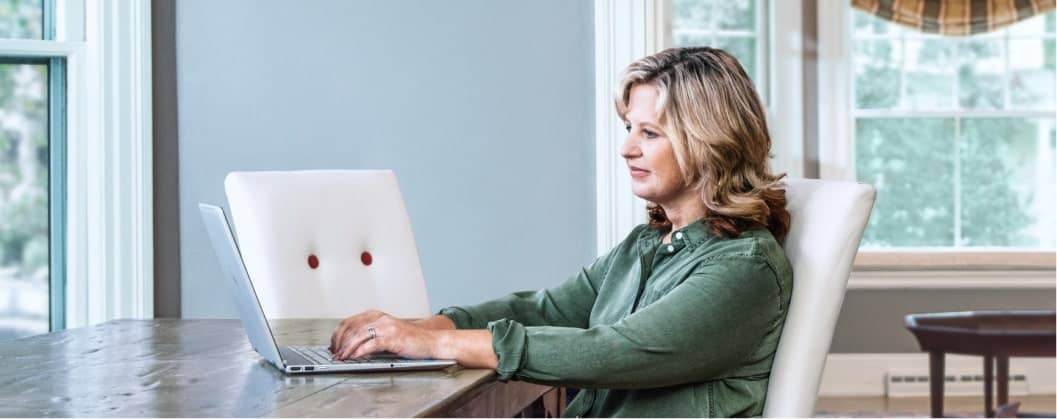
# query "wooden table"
(995, 335)
(193, 368)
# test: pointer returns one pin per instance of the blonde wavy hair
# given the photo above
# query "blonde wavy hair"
(712, 115)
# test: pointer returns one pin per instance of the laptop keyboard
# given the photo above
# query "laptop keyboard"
(322, 356)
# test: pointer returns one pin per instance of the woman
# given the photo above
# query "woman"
(680, 319)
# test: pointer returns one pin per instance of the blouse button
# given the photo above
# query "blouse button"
(671, 248)
(679, 235)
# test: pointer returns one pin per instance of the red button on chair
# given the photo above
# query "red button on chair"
(365, 257)
(313, 261)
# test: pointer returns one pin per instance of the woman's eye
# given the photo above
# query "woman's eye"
(627, 127)
(649, 134)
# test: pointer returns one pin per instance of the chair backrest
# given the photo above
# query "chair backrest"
(828, 220)
(327, 243)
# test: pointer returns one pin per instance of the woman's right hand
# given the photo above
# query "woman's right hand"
(350, 325)
(438, 322)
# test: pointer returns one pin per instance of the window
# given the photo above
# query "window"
(97, 56)
(762, 35)
(957, 135)
(22, 19)
(738, 27)
(31, 146)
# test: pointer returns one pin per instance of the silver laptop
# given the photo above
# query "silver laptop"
(289, 359)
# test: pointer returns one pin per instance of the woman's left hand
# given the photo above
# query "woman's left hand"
(390, 334)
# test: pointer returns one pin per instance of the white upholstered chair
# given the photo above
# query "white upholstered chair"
(327, 243)
(828, 219)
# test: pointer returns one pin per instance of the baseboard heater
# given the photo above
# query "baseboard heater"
(904, 383)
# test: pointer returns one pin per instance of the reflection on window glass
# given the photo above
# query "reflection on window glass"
(980, 72)
(877, 68)
(23, 200)
(929, 75)
(742, 48)
(1007, 165)
(902, 69)
(1032, 79)
(730, 25)
(977, 169)
(22, 19)
(735, 15)
(911, 163)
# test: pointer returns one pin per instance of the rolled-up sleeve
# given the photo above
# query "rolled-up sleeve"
(702, 328)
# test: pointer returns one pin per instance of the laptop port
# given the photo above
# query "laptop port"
(309, 368)
(295, 368)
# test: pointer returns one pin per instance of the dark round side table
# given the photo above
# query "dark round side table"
(995, 335)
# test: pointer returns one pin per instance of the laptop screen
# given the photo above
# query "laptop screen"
(238, 280)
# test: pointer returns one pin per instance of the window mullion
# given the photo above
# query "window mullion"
(763, 63)
(957, 105)
(987, 113)
(1005, 70)
(901, 101)
(48, 17)
(57, 191)
(957, 216)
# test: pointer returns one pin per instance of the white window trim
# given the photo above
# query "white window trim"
(927, 268)
(834, 107)
(624, 31)
(628, 30)
(109, 237)
(786, 68)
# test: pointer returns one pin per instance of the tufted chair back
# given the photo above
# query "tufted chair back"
(327, 243)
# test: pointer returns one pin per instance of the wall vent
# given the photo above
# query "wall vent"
(904, 383)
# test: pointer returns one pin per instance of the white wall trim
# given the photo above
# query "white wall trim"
(109, 198)
(786, 75)
(849, 375)
(624, 31)
(109, 226)
(834, 107)
(909, 280)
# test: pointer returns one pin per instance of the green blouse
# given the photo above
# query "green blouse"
(688, 328)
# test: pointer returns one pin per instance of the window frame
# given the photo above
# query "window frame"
(779, 62)
(628, 30)
(52, 53)
(836, 157)
(56, 133)
(762, 36)
(105, 256)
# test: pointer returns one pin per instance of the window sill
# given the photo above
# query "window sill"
(945, 260)
(939, 269)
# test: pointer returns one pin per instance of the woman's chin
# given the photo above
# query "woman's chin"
(643, 193)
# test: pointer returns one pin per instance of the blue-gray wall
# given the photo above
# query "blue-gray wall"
(484, 109)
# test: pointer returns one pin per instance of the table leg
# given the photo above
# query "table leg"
(936, 383)
(989, 376)
(1003, 379)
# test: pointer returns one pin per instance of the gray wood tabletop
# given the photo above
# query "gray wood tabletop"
(194, 368)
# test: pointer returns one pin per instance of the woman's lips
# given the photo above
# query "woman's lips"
(638, 173)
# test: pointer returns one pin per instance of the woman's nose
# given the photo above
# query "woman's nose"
(630, 149)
